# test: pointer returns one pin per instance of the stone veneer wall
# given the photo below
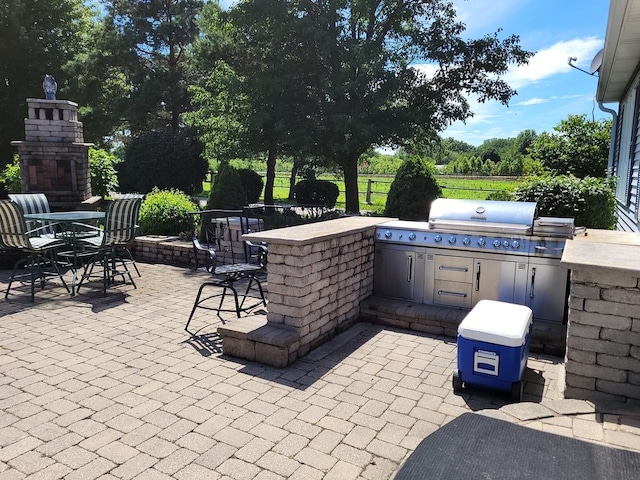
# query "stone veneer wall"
(602, 361)
(317, 288)
(317, 275)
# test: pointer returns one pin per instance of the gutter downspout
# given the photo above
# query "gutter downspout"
(612, 141)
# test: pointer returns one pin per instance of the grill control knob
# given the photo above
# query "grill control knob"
(387, 234)
(515, 244)
(412, 236)
(482, 242)
(437, 238)
(505, 244)
(466, 241)
(452, 239)
(496, 243)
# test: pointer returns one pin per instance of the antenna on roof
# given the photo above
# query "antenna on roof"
(595, 63)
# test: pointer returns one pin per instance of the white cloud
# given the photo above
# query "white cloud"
(481, 19)
(554, 60)
(533, 101)
(428, 69)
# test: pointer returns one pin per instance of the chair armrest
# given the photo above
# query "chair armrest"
(211, 260)
(261, 254)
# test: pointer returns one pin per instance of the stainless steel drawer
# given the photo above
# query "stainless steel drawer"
(453, 294)
(455, 269)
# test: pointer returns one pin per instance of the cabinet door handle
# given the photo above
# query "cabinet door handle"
(452, 294)
(477, 276)
(533, 282)
(409, 268)
(455, 269)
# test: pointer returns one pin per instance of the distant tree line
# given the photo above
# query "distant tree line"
(576, 146)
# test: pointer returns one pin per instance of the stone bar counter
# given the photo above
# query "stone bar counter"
(602, 360)
(317, 274)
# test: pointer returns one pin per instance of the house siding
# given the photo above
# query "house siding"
(627, 206)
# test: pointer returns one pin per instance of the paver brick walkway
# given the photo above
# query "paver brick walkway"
(113, 387)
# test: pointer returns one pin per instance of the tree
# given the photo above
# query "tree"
(578, 147)
(153, 37)
(366, 91)
(36, 37)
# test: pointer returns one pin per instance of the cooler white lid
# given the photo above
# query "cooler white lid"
(495, 322)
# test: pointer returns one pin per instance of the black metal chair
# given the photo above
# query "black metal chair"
(41, 262)
(216, 237)
(120, 229)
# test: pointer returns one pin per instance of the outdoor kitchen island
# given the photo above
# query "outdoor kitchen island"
(430, 274)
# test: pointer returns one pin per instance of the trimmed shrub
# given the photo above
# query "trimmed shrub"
(165, 160)
(590, 201)
(10, 177)
(316, 192)
(412, 191)
(104, 177)
(166, 212)
(252, 184)
(227, 191)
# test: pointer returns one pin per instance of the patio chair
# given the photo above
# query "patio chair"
(123, 251)
(40, 263)
(34, 203)
(120, 229)
(227, 257)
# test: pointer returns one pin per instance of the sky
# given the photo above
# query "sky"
(548, 88)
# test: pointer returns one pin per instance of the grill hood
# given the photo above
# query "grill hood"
(487, 215)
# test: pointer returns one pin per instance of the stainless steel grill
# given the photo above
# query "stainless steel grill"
(470, 250)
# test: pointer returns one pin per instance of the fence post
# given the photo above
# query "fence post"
(368, 198)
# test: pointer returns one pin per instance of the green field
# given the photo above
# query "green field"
(452, 187)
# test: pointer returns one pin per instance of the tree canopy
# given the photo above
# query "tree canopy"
(577, 146)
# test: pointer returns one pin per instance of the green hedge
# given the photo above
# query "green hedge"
(316, 192)
(590, 201)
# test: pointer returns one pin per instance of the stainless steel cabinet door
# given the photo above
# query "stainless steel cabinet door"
(493, 280)
(399, 272)
(547, 290)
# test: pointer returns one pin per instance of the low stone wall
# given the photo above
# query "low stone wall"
(164, 250)
(602, 361)
(317, 275)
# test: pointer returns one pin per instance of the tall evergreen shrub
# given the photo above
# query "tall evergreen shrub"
(227, 191)
(412, 191)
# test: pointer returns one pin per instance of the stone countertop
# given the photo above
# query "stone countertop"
(314, 232)
(604, 251)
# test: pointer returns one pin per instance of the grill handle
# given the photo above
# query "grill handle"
(477, 276)
(409, 268)
(533, 282)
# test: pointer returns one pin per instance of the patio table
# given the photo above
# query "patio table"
(72, 227)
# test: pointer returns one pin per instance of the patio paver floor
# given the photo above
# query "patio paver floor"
(113, 387)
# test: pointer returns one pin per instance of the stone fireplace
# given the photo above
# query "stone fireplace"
(54, 159)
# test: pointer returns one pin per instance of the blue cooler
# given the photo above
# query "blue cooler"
(493, 347)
